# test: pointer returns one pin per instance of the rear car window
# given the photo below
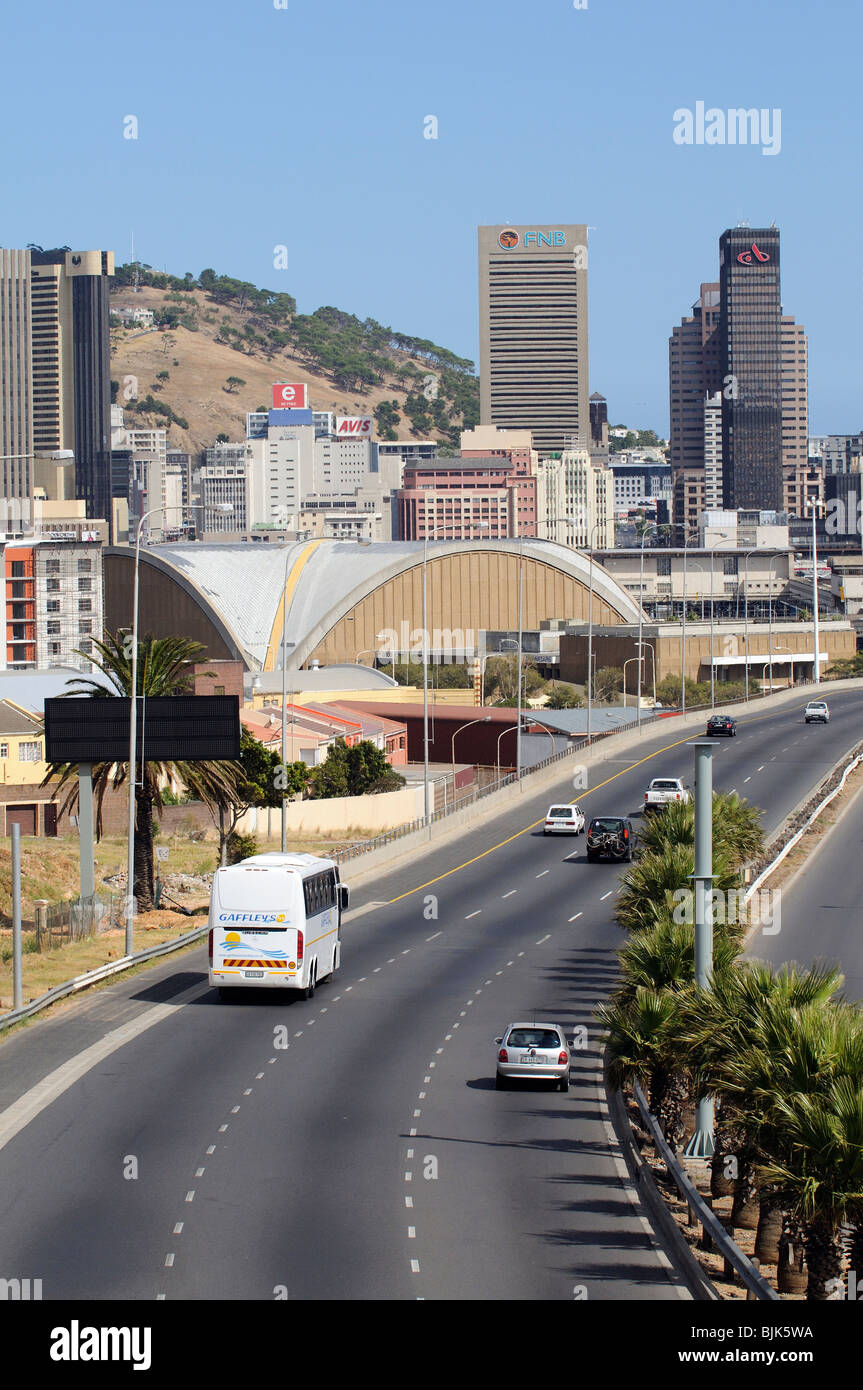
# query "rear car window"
(660, 786)
(607, 824)
(533, 1037)
(560, 813)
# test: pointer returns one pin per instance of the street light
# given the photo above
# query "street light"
(483, 719)
(510, 729)
(652, 649)
(746, 618)
(628, 662)
(650, 525)
(593, 532)
(133, 729)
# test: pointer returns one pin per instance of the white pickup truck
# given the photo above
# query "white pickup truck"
(663, 790)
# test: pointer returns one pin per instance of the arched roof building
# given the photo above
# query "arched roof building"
(338, 597)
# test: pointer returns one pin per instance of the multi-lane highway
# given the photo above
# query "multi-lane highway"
(183, 1152)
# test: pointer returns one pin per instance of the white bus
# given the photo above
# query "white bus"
(275, 923)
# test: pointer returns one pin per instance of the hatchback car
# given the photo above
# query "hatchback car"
(611, 835)
(533, 1052)
(816, 712)
(721, 724)
(564, 820)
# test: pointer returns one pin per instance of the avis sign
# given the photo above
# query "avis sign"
(360, 426)
(290, 395)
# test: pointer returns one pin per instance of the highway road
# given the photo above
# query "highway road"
(157, 1143)
(821, 915)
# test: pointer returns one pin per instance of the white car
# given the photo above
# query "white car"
(564, 820)
(817, 711)
(533, 1052)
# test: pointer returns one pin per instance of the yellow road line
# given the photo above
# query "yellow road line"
(541, 821)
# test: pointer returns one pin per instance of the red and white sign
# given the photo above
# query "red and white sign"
(360, 426)
(288, 396)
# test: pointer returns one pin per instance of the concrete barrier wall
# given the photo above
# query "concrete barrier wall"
(344, 815)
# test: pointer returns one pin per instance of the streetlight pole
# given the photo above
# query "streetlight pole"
(593, 531)
(701, 1143)
(426, 819)
(284, 827)
(520, 641)
(483, 719)
(746, 618)
(815, 598)
(648, 526)
(508, 730)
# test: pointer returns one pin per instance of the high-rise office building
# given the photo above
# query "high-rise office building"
(533, 333)
(750, 345)
(71, 367)
(16, 397)
(739, 355)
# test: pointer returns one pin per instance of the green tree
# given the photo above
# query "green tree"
(607, 682)
(353, 771)
(259, 781)
(564, 696)
(233, 384)
(164, 668)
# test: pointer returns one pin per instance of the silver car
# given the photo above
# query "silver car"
(817, 712)
(533, 1051)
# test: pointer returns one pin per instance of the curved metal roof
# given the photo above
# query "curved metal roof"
(323, 579)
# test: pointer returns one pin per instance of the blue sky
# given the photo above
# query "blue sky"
(303, 127)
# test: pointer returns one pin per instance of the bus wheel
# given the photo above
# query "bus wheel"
(309, 991)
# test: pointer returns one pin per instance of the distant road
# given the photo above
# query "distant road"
(373, 1159)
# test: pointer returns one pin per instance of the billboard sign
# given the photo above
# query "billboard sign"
(288, 395)
(186, 728)
(354, 426)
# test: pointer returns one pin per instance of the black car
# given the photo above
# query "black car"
(721, 724)
(610, 835)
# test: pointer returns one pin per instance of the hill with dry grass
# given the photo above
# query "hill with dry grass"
(219, 344)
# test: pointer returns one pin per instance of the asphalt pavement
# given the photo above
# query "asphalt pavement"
(158, 1143)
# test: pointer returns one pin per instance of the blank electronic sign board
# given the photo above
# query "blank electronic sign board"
(182, 728)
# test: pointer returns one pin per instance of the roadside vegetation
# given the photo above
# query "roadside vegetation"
(779, 1049)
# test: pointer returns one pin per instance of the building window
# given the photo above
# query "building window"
(53, 586)
(85, 605)
(729, 564)
(84, 627)
(663, 565)
(4, 750)
(30, 752)
(55, 648)
(53, 605)
(85, 566)
(52, 566)
(85, 585)
(53, 629)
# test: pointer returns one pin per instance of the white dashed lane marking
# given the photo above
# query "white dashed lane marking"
(606, 895)
(576, 917)
(473, 914)
(510, 893)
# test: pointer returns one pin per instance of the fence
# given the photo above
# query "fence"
(76, 919)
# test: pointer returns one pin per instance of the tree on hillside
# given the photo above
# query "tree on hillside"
(233, 384)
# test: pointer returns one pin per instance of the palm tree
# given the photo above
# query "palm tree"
(164, 668)
(643, 1045)
(736, 828)
(755, 1034)
(648, 888)
(821, 1174)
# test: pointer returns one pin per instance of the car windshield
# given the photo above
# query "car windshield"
(533, 1037)
(817, 704)
(607, 823)
(561, 812)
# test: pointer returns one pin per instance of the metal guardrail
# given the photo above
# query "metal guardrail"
(101, 972)
(753, 1280)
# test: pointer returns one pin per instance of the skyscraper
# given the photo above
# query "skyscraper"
(750, 333)
(71, 368)
(16, 399)
(533, 332)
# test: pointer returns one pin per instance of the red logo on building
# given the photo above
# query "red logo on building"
(508, 238)
(746, 257)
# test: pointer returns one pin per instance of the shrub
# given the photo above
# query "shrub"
(240, 847)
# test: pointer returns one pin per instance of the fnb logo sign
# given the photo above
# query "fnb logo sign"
(288, 395)
(509, 238)
(360, 425)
